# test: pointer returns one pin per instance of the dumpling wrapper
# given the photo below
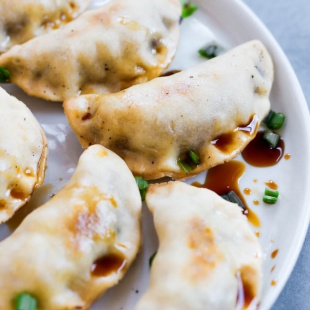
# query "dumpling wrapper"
(214, 109)
(125, 42)
(70, 250)
(22, 20)
(207, 252)
(23, 155)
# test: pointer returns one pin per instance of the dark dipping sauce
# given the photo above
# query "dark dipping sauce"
(246, 294)
(108, 264)
(227, 143)
(259, 154)
(224, 178)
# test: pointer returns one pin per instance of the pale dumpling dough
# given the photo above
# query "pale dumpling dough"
(213, 109)
(23, 155)
(124, 42)
(73, 248)
(22, 20)
(208, 257)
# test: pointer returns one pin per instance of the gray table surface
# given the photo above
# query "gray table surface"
(289, 22)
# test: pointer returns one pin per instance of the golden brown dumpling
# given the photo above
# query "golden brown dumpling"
(125, 42)
(213, 109)
(208, 257)
(73, 248)
(21, 20)
(23, 155)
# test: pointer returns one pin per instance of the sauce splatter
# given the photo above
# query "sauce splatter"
(272, 185)
(259, 154)
(224, 178)
(228, 142)
(274, 253)
(108, 264)
(287, 156)
(247, 191)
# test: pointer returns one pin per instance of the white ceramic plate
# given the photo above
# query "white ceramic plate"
(283, 226)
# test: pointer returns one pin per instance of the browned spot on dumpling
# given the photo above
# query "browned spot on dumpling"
(87, 222)
(87, 116)
(102, 153)
(2, 204)
(260, 91)
(29, 172)
(204, 253)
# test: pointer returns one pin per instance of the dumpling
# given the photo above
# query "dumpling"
(208, 257)
(81, 242)
(23, 154)
(21, 20)
(213, 109)
(123, 43)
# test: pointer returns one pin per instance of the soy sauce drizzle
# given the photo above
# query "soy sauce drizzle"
(227, 142)
(258, 153)
(272, 185)
(245, 294)
(108, 264)
(224, 178)
(274, 253)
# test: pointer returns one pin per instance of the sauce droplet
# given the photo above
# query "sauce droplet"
(287, 156)
(247, 191)
(108, 264)
(224, 178)
(259, 154)
(273, 283)
(256, 202)
(273, 268)
(257, 233)
(274, 253)
(272, 185)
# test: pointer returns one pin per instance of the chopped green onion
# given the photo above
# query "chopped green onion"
(190, 162)
(224, 196)
(194, 157)
(270, 196)
(184, 166)
(25, 302)
(4, 75)
(269, 199)
(209, 52)
(274, 120)
(152, 258)
(142, 185)
(233, 197)
(277, 121)
(269, 192)
(269, 117)
(272, 138)
(188, 9)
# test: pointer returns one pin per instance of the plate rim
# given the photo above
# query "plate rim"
(246, 13)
